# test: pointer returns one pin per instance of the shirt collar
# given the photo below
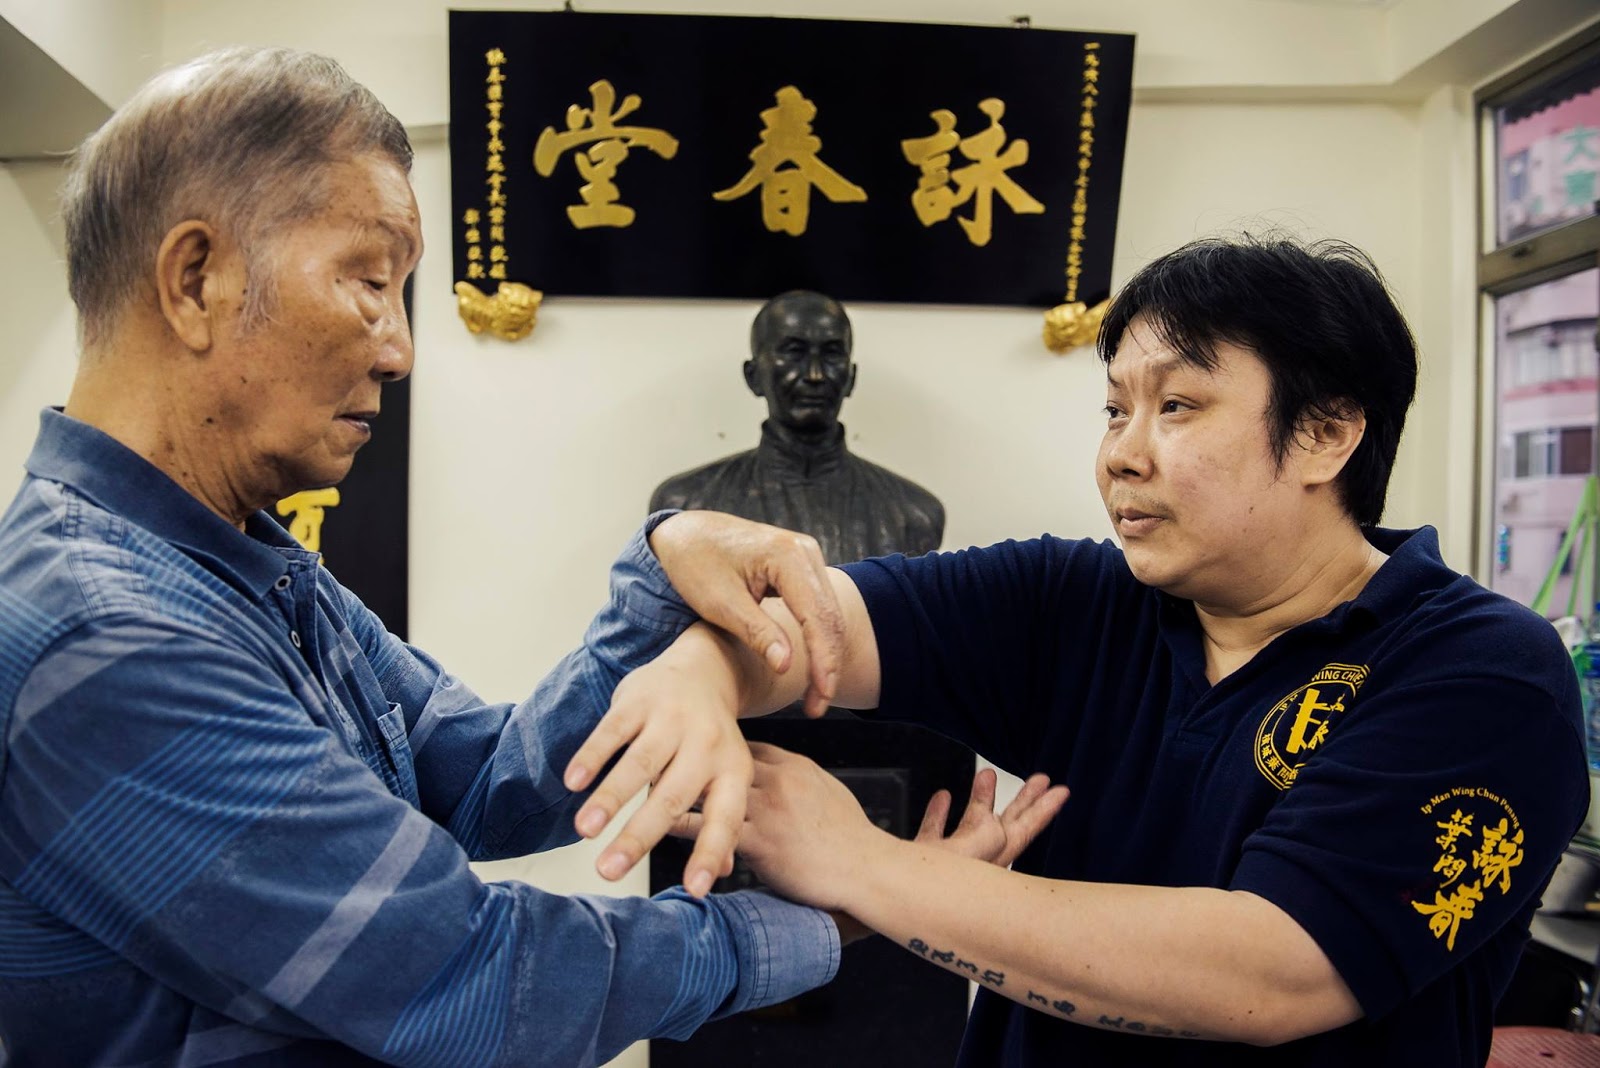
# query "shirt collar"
(1414, 567)
(785, 449)
(121, 481)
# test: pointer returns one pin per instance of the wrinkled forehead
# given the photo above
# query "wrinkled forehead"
(369, 198)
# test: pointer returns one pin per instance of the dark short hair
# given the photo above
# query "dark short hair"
(1318, 315)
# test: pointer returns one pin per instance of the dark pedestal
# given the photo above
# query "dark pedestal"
(885, 1008)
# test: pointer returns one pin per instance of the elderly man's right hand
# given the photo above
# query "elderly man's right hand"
(723, 566)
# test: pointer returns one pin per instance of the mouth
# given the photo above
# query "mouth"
(361, 422)
(1134, 522)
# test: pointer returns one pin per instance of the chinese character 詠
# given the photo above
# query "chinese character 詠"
(934, 199)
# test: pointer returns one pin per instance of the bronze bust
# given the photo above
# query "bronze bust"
(802, 476)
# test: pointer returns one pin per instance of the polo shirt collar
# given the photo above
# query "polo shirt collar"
(121, 481)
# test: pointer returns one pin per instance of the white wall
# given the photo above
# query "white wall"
(37, 360)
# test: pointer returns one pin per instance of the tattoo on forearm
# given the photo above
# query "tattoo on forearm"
(1122, 1023)
(1059, 1006)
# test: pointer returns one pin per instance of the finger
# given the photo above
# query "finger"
(616, 729)
(1021, 833)
(744, 618)
(800, 577)
(933, 820)
(723, 817)
(668, 799)
(686, 826)
(1032, 789)
(980, 805)
(639, 766)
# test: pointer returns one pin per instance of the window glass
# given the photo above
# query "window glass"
(1547, 402)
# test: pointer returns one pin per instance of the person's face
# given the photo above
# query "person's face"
(1187, 474)
(300, 388)
(802, 366)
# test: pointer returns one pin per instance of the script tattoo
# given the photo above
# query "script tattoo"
(989, 976)
(1122, 1023)
(1060, 1006)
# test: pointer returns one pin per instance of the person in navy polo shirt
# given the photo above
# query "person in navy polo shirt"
(1319, 779)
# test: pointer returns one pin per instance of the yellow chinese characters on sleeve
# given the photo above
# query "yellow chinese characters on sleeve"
(1477, 853)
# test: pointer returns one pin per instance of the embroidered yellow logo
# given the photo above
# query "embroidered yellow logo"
(1300, 722)
(1480, 840)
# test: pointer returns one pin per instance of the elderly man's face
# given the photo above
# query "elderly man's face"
(802, 365)
(1187, 474)
(301, 388)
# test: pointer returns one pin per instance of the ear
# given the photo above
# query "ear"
(750, 377)
(850, 383)
(186, 283)
(1327, 442)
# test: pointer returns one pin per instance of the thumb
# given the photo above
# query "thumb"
(933, 820)
(980, 806)
(758, 631)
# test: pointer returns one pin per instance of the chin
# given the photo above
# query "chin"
(1150, 569)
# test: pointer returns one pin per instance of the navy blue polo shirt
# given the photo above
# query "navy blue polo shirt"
(1400, 776)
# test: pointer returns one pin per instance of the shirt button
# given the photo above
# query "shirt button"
(282, 583)
(294, 636)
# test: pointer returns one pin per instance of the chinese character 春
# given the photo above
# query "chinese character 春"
(1446, 913)
(934, 199)
(609, 144)
(786, 138)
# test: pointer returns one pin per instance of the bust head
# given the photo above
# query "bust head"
(799, 361)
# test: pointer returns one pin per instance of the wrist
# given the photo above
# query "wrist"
(704, 656)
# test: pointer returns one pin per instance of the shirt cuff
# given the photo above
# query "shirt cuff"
(784, 949)
(639, 586)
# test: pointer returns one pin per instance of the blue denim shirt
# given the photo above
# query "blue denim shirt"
(236, 814)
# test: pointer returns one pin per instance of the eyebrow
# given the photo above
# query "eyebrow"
(401, 236)
(1163, 367)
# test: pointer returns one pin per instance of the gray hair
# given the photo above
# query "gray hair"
(240, 139)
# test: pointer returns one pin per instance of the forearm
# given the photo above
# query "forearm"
(1182, 962)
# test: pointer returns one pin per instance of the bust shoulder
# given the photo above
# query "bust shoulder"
(689, 489)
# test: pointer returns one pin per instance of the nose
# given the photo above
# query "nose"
(1126, 450)
(814, 366)
(395, 352)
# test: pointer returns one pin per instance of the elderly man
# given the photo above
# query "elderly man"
(237, 814)
(1320, 779)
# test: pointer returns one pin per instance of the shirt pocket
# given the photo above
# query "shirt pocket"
(397, 754)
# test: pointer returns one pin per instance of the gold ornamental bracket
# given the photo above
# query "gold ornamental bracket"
(510, 314)
(1069, 326)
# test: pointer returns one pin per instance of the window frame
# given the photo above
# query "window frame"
(1522, 264)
